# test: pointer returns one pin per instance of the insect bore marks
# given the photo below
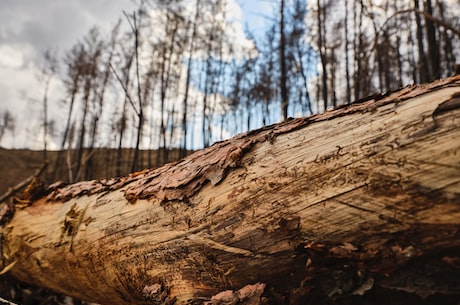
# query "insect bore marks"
(72, 223)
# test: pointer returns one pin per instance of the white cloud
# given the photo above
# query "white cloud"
(29, 27)
(11, 56)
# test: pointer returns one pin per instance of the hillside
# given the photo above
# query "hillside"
(19, 164)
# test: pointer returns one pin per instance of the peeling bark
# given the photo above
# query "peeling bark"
(351, 203)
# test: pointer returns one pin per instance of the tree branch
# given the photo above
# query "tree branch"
(128, 96)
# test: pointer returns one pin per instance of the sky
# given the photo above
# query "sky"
(27, 29)
(30, 27)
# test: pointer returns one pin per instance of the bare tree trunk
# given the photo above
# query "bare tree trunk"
(83, 130)
(424, 73)
(6, 122)
(45, 120)
(399, 59)
(331, 206)
(140, 111)
(449, 57)
(122, 123)
(322, 52)
(283, 74)
(168, 48)
(358, 49)
(45, 75)
(99, 95)
(205, 108)
(410, 58)
(347, 64)
(381, 50)
(183, 147)
(333, 75)
(305, 85)
(433, 48)
(65, 137)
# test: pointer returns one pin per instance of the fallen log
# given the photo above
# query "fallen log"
(357, 201)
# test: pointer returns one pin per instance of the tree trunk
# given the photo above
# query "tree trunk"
(322, 51)
(283, 72)
(363, 199)
(347, 60)
(140, 112)
(433, 46)
(422, 67)
(185, 102)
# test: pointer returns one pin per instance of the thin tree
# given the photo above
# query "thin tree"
(358, 48)
(92, 51)
(183, 147)
(347, 61)
(139, 110)
(125, 81)
(282, 58)
(7, 123)
(449, 56)
(433, 47)
(265, 87)
(424, 72)
(321, 15)
(45, 74)
(168, 52)
(99, 89)
(73, 61)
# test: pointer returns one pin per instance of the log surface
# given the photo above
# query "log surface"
(375, 184)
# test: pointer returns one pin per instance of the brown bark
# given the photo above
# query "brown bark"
(360, 200)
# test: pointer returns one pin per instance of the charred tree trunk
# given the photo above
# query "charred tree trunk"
(322, 52)
(433, 47)
(360, 200)
(283, 72)
(347, 60)
(422, 67)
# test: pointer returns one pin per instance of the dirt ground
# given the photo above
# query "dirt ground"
(18, 164)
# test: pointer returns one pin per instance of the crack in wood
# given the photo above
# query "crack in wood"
(222, 247)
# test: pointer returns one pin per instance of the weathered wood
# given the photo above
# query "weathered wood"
(326, 206)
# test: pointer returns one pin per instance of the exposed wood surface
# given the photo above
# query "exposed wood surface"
(330, 205)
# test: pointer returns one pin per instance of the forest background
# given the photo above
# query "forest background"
(175, 76)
